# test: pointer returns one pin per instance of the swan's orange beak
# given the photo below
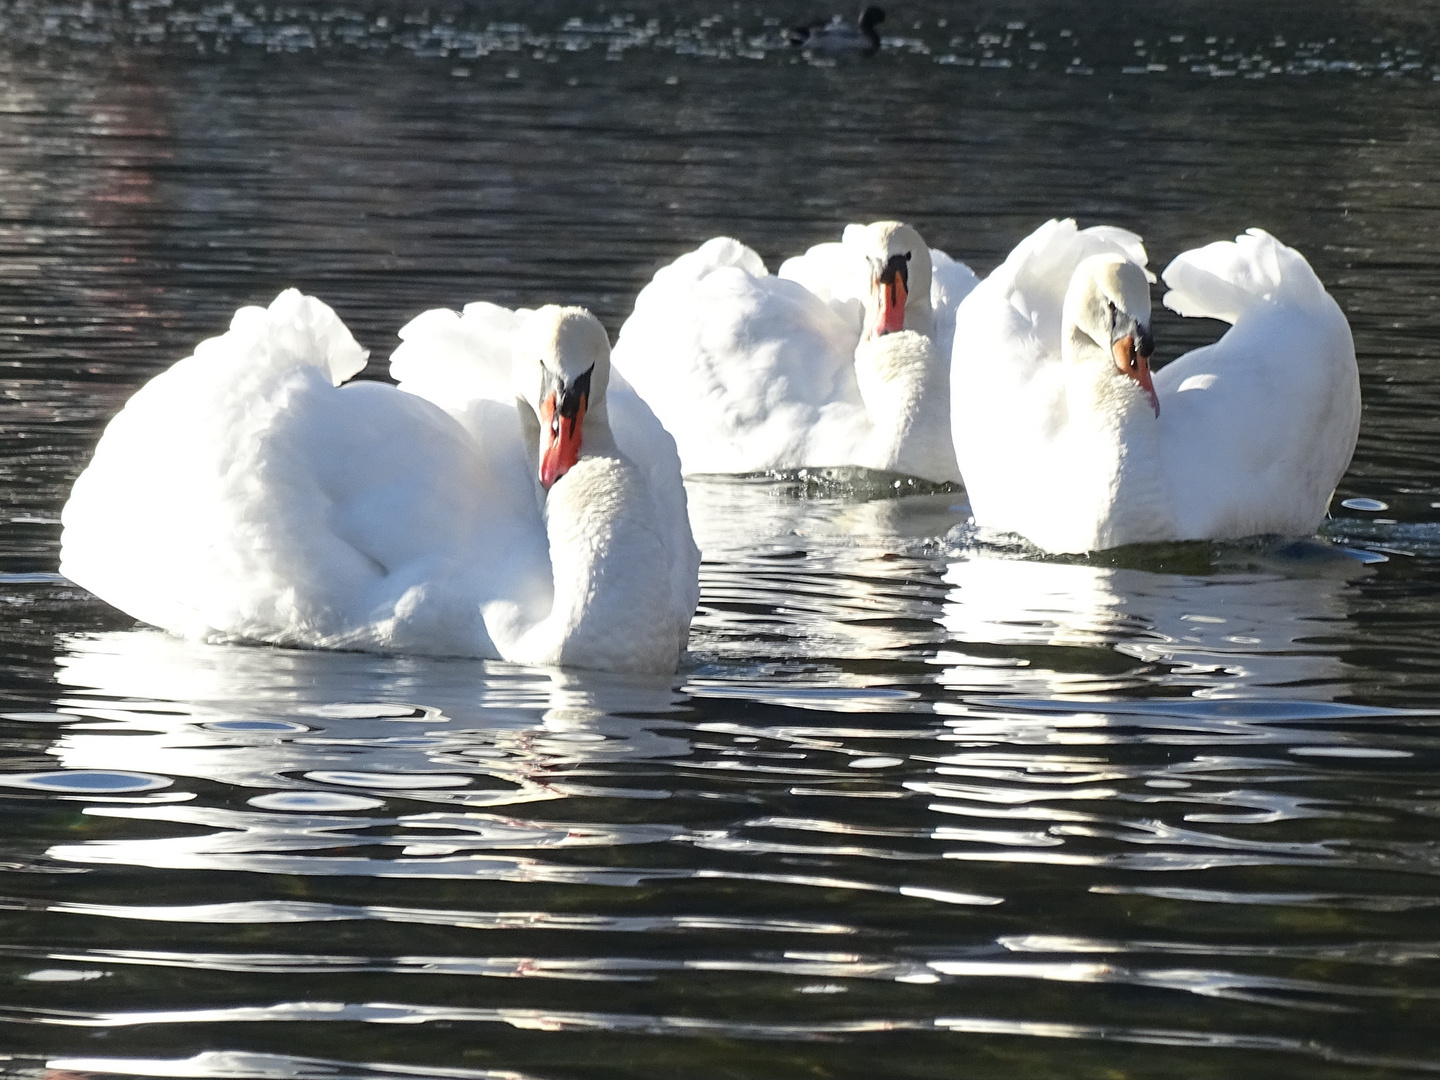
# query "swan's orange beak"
(892, 287)
(1132, 357)
(562, 414)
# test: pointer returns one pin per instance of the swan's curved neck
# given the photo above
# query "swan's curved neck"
(610, 606)
(906, 390)
(1113, 451)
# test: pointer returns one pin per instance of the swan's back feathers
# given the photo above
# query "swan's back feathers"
(1225, 279)
(836, 274)
(742, 362)
(714, 254)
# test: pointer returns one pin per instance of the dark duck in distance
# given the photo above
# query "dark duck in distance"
(837, 36)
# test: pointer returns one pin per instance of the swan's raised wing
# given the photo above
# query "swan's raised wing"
(838, 275)
(241, 493)
(1259, 427)
(462, 363)
(747, 371)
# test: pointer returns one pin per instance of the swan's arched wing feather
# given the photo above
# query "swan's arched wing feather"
(1007, 402)
(1259, 427)
(1224, 279)
(837, 275)
(1040, 267)
(452, 359)
(240, 496)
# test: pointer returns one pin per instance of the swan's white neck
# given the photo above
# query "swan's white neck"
(906, 390)
(610, 604)
(1115, 483)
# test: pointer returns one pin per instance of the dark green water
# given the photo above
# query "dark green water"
(917, 806)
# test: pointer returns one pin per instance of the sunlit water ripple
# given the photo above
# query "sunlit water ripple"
(919, 803)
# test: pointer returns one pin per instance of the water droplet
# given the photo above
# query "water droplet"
(875, 762)
(1372, 505)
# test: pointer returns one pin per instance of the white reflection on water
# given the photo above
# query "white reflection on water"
(289, 719)
(1026, 627)
(486, 736)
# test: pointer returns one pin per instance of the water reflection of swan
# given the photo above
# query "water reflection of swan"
(732, 518)
(424, 780)
(1037, 627)
(459, 732)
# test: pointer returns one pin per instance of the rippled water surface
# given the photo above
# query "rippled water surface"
(919, 803)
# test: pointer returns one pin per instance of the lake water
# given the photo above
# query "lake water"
(919, 804)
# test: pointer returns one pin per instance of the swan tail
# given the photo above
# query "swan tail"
(1225, 279)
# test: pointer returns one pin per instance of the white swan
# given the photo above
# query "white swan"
(840, 359)
(482, 509)
(1063, 437)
